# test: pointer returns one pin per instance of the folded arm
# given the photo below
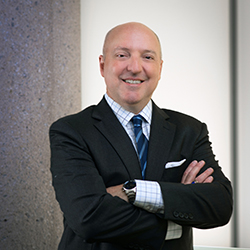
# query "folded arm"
(206, 202)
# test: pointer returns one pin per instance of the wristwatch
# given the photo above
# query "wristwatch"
(129, 187)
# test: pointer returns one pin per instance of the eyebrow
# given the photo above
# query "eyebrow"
(127, 49)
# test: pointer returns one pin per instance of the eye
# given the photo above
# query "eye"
(121, 55)
(149, 57)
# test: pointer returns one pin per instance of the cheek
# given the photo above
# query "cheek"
(114, 71)
(157, 76)
(110, 78)
(151, 89)
(118, 70)
(154, 75)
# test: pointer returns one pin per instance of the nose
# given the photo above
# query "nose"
(134, 65)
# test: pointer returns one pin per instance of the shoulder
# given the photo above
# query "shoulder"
(85, 119)
(182, 122)
(176, 116)
(187, 126)
(77, 120)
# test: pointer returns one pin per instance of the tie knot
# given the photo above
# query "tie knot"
(137, 120)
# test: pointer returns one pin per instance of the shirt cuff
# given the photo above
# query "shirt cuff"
(149, 196)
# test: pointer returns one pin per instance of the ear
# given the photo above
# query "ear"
(101, 64)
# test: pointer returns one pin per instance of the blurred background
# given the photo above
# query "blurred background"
(49, 68)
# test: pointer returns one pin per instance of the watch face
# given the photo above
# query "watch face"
(130, 184)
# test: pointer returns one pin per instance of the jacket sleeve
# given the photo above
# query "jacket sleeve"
(199, 205)
(88, 209)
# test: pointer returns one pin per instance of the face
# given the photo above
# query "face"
(131, 65)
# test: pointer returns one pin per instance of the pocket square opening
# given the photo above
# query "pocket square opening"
(174, 164)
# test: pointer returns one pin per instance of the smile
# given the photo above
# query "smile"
(133, 81)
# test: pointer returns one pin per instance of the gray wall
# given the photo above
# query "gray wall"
(243, 122)
(39, 82)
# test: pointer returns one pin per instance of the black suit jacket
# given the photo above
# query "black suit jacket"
(91, 151)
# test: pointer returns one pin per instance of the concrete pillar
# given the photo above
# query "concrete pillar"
(39, 82)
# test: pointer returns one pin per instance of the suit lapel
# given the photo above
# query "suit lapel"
(107, 123)
(160, 142)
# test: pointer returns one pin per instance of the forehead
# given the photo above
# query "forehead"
(132, 38)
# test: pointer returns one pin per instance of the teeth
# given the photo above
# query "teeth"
(133, 81)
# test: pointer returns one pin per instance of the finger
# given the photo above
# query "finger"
(191, 176)
(187, 171)
(209, 179)
(202, 177)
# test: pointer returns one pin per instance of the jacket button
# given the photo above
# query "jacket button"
(190, 216)
(176, 214)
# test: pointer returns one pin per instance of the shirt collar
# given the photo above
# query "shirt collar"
(125, 116)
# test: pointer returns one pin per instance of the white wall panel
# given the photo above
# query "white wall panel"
(195, 80)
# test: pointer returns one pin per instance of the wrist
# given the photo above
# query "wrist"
(129, 187)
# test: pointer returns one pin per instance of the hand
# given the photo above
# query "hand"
(117, 191)
(193, 169)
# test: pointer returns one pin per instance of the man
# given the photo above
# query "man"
(123, 185)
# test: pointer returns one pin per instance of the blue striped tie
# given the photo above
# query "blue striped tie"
(141, 141)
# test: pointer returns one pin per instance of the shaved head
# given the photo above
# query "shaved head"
(125, 27)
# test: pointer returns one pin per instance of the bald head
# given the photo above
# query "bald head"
(128, 27)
